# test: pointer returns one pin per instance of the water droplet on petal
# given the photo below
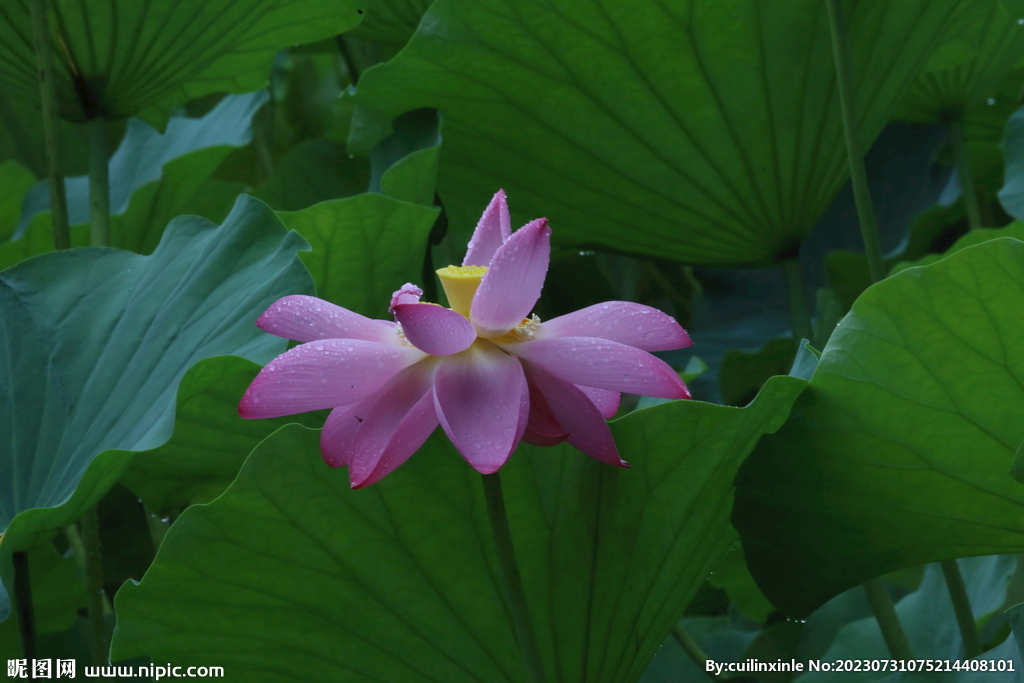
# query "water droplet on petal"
(318, 346)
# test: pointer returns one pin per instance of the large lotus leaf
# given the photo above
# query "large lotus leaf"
(143, 153)
(942, 96)
(927, 617)
(141, 57)
(210, 441)
(704, 131)
(97, 340)
(898, 453)
(364, 248)
(391, 21)
(398, 582)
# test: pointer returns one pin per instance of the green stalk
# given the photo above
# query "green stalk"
(99, 181)
(962, 608)
(23, 603)
(888, 621)
(51, 108)
(851, 127)
(515, 594)
(693, 648)
(965, 174)
(90, 535)
(799, 313)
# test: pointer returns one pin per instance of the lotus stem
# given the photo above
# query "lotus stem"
(962, 608)
(693, 648)
(99, 181)
(799, 313)
(90, 534)
(514, 592)
(51, 107)
(965, 174)
(854, 151)
(23, 603)
(888, 620)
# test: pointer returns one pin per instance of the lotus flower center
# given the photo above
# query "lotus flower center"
(460, 284)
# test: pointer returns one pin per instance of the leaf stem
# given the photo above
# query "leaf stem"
(854, 152)
(693, 648)
(99, 181)
(23, 601)
(89, 527)
(515, 594)
(51, 107)
(962, 608)
(888, 620)
(965, 174)
(799, 313)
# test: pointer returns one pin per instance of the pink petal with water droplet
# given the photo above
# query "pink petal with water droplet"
(415, 429)
(577, 415)
(381, 423)
(436, 330)
(408, 294)
(602, 364)
(479, 398)
(494, 228)
(339, 428)
(513, 281)
(620, 321)
(306, 318)
(324, 374)
(607, 402)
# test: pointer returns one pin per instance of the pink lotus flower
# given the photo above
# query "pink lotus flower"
(485, 369)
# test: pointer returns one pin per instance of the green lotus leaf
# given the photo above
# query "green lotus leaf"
(899, 451)
(704, 131)
(120, 58)
(292, 575)
(391, 21)
(97, 341)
